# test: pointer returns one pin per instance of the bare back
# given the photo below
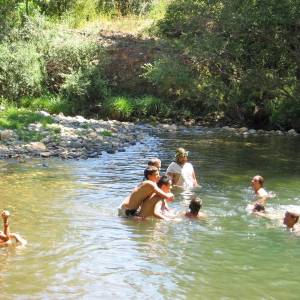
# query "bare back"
(139, 194)
(148, 206)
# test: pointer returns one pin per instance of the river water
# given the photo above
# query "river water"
(79, 249)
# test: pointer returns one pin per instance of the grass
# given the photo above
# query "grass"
(19, 118)
(106, 133)
(49, 103)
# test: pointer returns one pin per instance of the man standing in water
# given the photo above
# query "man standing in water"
(181, 171)
(131, 204)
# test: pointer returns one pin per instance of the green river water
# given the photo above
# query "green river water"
(78, 248)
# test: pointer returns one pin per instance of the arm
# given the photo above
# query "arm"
(195, 179)
(157, 211)
(161, 193)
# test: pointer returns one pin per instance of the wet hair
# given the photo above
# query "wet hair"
(260, 179)
(259, 207)
(195, 205)
(293, 215)
(154, 161)
(164, 180)
(150, 170)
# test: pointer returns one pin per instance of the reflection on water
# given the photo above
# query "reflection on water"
(79, 249)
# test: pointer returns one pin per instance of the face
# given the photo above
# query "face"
(154, 177)
(158, 165)
(255, 183)
(166, 187)
(182, 159)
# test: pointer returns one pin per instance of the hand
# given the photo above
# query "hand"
(170, 197)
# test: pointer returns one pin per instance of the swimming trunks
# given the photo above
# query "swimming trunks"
(259, 207)
(123, 212)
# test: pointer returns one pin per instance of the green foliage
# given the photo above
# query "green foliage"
(21, 71)
(128, 108)
(81, 12)
(85, 88)
(50, 103)
(120, 108)
(172, 78)
(106, 133)
(19, 118)
(244, 55)
(9, 16)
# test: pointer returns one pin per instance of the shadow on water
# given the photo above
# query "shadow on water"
(79, 248)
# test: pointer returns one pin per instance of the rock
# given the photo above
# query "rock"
(279, 132)
(242, 129)
(45, 154)
(292, 132)
(37, 146)
(252, 131)
(7, 134)
(43, 113)
(110, 151)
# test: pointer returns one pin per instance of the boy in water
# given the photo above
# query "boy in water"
(155, 162)
(290, 220)
(155, 205)
(6, 237)
(194, 207)
(257, 183)
(131, 204)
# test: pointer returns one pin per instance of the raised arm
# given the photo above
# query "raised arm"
(161, 193)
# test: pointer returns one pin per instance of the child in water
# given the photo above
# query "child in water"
(6, 237)
(194, 207)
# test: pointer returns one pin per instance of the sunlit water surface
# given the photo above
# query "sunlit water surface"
(78, 248)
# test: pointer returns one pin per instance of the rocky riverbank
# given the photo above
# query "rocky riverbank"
(80, 138)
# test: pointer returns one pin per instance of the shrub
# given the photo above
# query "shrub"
(172, 78)
(120, 107)
(50, 103)
(21, 70)
(85, 88)
(149, 105)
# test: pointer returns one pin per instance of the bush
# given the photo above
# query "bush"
(21, 70)
(50, 103)
(120, 107)
(172, 78)
(242, 56)
(85, 88)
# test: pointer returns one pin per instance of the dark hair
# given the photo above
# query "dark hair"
(150, 170)
(153, 161)
(164, 180)
(293, 215)
(259, 207)
(195, 205)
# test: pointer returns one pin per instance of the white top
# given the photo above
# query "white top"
(186, 172)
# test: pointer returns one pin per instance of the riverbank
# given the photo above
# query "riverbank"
(79, 138)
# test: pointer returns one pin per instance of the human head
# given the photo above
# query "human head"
(156, 162)
(151, 173)
(165, 183)
(195, 205)
(257, 182)
(259, 208)
(290, 218)
(181, 155)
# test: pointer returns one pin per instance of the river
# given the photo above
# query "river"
(78, 248)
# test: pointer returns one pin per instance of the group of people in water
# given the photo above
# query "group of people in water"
(150, 198)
